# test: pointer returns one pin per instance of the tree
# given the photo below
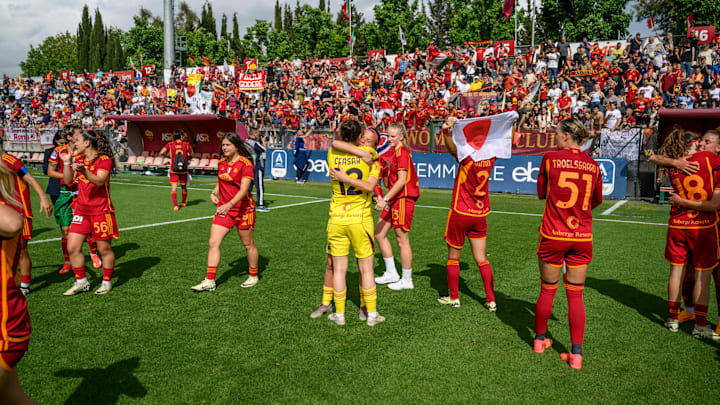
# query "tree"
(236, 40)
(202, 42)
(278, 16)
(391, 14)
(154, 20)
(316, 35)
(670, 15)
(207, 20)
(223, 27)
(479, 20)
(359, 26)
(82, 38)
(278, 45)
(321, 5)
(110, 51)
(120, 59)
(144, 39)
(55, 53)
(256, 39)
(98, 42)
(186, 19)
(288, 21)
(578, 18)
(440, 21)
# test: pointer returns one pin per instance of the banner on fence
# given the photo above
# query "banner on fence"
(515, 175)
(21, 134)
(251, 82)
(620, 143)
(534, 142)
(477, 99)
(46, 136)
(205, 136)
(376, 52)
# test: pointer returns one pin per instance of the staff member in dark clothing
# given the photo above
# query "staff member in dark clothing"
(53, 187)
(301, 155)
(258, 149)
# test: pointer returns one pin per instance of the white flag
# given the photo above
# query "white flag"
(486, 137)
(401, 36)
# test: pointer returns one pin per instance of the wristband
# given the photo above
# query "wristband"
(67, 163)
(385, 199)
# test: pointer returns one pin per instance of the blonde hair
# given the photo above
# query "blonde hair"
(403, 131)
(677, 143)
(576, 129)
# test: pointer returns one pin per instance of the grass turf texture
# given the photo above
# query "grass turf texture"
(152, 340)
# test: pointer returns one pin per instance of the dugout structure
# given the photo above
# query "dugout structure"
(149, 133)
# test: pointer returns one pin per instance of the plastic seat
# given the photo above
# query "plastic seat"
(214, 164)
(194, 163)
(204, 163)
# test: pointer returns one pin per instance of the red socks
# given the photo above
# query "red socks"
(211, 272)
(107, 274)
(66, 255)
(253, 271)
(184, 197)
(717, 293)
(543, 306)
(25, 278)
(687, 292)
(674, 309)
(576, 312)
(92, 244)
(487, 277)
(173, 194)
(453, 277)
(79, 272)
(701, 315)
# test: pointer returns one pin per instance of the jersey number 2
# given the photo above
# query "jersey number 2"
(351, 190)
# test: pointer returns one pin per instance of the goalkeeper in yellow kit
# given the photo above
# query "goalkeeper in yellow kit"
(351, 222)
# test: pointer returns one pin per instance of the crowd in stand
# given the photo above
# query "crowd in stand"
(612, 88)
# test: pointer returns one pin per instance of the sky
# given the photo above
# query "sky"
(29, 22)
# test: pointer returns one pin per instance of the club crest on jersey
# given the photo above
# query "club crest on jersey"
(572, 222)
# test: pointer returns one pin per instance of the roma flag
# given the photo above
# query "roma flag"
(220, 91)
(194, 84)
(206, 61)
(486, 137)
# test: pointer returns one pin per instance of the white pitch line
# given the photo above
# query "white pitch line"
(614, 207)
(179, 221)
(205, 189)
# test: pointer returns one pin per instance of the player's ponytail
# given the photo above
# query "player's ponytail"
(239, 144)
(576, 129)
(676, 143)
(7, 186)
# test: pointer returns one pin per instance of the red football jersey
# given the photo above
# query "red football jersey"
(14, 319)
(22, 191)
(402, 160)
(178, 147)
(230, 176)
(696, 187)
(92, 199)
(470, 192)
(571, 183)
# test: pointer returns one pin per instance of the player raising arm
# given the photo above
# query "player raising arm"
(14, 317)
(94, 213)
(466, 219)
(570, 182)
(351, 222)
(692, 237)
(235, 208)
(23, 179)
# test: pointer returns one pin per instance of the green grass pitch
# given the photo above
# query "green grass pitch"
(152, 340)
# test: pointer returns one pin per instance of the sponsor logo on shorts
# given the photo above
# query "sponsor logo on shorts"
(77, 219)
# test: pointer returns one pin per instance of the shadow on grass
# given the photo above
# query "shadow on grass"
(438, 280)
(650, 306)
(126, 271)
(520, 315)
(121, 250)
(190, 203)
(105, 385)
(240, 266)
(40, 231)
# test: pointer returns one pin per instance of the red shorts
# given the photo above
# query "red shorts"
(573, 253)
(242, 221)
(399, 213)
(27, 228)
(461, 226)
(178, 178)
(18, 330)
(101, 227)
(696, 246)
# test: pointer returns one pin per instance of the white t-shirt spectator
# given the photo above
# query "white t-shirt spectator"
(647, 90)
(552, 58)
(612, 117)
(714, 93)
(553, 95)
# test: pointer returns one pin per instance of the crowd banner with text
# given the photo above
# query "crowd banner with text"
(376, 52)
(251, 81)
(534, 142)
(204, 136)
(620, 143)
(476, 99)
(515, 175)
(21, 135)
